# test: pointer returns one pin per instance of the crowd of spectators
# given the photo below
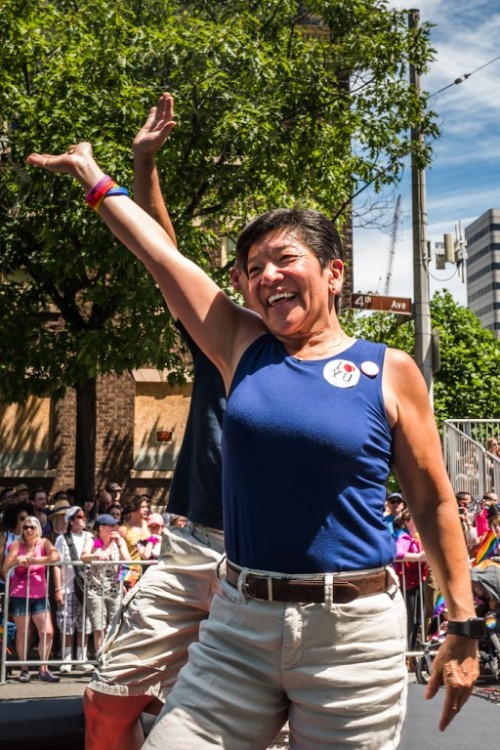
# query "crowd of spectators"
(120, 528)
(480, 519)
(71, 606)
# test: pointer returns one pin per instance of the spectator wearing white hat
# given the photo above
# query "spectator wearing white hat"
(70, 616)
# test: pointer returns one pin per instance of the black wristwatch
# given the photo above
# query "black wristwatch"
(474, 627)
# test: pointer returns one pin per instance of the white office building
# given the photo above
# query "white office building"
(483, 269)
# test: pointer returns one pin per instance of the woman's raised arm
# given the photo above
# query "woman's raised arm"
(220, 327)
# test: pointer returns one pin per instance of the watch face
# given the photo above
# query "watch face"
(477, 627)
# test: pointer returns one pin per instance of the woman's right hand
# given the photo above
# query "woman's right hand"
(77, 161)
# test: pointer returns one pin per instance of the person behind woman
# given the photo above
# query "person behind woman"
(104, 502)
(70, 611)
(14, 517)
(149, 548)
(116, 511)
(57, 518)
(103, 587)
(136, 511)
(90, 510)
(412, 572)
(28, 594)
(312, 423)
(493, 446)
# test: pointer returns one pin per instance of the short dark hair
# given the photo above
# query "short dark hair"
(6, 491)
(35, 492)
(311, 227)
(133, 503)
(11, 513)
(401, 521)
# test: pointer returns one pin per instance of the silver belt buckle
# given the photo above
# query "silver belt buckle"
(269, 584)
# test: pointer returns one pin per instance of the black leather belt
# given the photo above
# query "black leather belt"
(276, 589)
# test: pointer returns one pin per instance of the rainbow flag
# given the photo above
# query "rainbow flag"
(440, 606)
(11, 632)
(487, 548)
(129, 574)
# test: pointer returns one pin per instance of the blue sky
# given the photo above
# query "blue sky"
(464, 180)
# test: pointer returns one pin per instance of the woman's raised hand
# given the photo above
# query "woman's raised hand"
(77, 161)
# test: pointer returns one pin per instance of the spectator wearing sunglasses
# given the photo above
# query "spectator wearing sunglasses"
(70, 611)
(28, 556)
(394, 507)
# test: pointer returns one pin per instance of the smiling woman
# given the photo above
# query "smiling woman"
(28, 594)
(295, 270)
(314, 421)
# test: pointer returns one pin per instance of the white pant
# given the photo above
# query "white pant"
(147, 643)
(336, 672)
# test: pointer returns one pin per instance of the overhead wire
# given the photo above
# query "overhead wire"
(464, 77)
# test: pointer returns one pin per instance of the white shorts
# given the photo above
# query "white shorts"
(337, 672)
(69, 615)
(148, 640)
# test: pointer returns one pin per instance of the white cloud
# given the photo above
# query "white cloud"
(464, 180)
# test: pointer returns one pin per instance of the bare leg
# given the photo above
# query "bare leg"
(98, 638)
(45, 630)
(23, 638)
(112, 722)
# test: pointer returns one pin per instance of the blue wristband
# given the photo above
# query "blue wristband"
(116, 191)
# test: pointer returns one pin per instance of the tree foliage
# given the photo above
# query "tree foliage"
(467, 384)
(273, 107)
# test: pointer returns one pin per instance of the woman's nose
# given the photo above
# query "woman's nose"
(270, 273)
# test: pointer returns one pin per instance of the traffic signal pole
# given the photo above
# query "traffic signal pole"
(421, 293)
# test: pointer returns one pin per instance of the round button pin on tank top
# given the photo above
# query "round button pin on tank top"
(371, 369)
(341, 373)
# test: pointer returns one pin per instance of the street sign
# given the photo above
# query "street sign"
(381, 303)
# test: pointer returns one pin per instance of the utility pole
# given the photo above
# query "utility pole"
(421, 293)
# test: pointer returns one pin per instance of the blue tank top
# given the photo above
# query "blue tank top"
(306, 454)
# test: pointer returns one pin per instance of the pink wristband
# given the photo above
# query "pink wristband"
(95, 195)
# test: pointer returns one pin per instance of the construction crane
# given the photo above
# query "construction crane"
(392, 248)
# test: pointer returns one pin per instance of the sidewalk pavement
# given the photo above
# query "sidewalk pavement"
(71, 684)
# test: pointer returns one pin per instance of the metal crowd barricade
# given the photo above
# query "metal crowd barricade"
(422, 636)
(470, 467)
(5, 663)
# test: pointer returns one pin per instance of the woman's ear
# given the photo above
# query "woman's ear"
(336, 281)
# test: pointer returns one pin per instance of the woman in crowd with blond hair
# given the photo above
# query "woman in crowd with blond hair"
(28, 594)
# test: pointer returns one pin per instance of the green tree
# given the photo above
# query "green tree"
(468, 381)
(467, 384)
(273, 107)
